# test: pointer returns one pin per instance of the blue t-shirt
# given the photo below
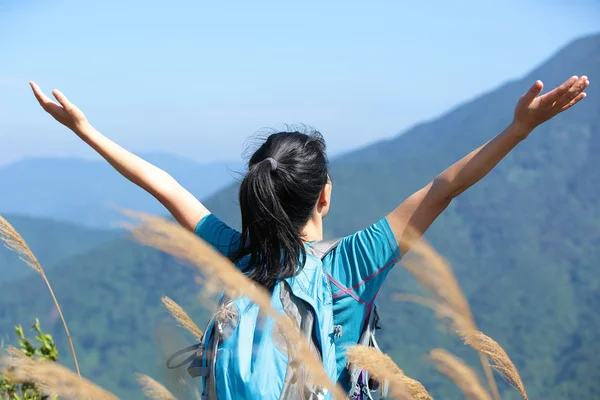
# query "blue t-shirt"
(356, 270)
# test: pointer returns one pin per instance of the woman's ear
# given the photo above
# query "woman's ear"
(325, 197)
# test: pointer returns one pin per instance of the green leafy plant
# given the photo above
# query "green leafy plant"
(45, 350)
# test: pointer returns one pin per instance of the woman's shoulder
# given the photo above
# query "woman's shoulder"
(373, 237)
(216, 232)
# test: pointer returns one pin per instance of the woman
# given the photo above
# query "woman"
(286, 194)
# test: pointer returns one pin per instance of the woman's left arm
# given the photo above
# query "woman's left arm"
(414, 216)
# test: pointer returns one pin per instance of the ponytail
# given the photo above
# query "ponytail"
(277, 197)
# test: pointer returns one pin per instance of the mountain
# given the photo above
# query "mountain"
(87, 192)
(50, 240)
(524, 243)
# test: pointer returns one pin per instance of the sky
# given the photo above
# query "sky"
(198, 78)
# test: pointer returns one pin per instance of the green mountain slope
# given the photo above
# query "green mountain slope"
(523, 241)
(50, 240)
(524, 244)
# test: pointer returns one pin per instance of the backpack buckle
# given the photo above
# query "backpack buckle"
(338, 331)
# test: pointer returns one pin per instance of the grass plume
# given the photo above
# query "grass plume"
(435, 275)
(501, 362)
(181, 316)
(382, 368)
(460, 373)
(52, 379)
(14, 352)
(220, 272)
(446, 298)
(13, 241)
(154, 390)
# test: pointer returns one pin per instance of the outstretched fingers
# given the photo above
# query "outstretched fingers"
(555, 94)
(576, 100)
(62, 99)
(572, 94)
(46, 102)
(41, 96)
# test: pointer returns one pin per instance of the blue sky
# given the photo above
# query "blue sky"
(198, 78)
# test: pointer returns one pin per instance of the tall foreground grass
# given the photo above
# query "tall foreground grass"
(460, 373)
(181, 316)
(382, 368)
(16, 243)
(434, 274)
(153, 389)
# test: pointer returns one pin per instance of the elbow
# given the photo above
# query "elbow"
(443, 191)
(161, 184)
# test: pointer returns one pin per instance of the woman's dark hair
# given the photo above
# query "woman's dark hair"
(285, 177)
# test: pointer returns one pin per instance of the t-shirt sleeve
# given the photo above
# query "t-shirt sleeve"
(364, 260)
(215, 232)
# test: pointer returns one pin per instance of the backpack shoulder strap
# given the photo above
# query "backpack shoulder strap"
(297, 377)
(323, 247)
(360, 383)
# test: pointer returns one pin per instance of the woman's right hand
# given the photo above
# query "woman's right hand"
(65, 112)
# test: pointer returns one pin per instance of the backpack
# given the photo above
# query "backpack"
(248, 345)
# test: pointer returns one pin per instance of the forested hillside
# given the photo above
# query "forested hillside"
(50, 240)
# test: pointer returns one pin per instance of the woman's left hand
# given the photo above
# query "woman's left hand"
(533, 110)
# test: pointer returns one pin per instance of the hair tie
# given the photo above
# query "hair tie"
(273, 162)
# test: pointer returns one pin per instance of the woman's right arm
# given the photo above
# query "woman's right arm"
(186, 209)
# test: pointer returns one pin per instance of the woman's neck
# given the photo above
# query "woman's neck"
(313, 230)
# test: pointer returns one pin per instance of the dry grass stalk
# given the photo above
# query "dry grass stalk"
(16, 243)
(221, 272)
(53, 379)
(381, 367)
(181, 316)
(460, 373)
(435, 275)
(501, 362)
(5, 369)
(154, 390)
(460, 323)
(14, 352)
